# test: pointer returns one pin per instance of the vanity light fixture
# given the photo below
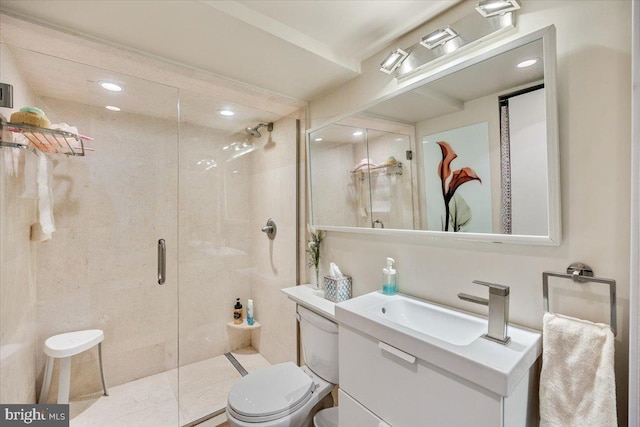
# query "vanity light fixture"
(527, 63)
(357, 133)
(112, 108)
(438, 38)
(110, 86)
(393, 61)
(468, 30)
(488, 8)
(227, 113)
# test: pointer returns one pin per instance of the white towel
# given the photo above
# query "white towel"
(30, 176)
(45, 196)
(361, 189)
(577, 382)
(381, 193)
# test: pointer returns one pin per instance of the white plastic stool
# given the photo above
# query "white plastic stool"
(62, 347)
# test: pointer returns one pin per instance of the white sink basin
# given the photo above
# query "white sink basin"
(444, 324)
(444, 337)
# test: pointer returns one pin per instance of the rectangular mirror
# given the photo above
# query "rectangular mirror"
(469, 153)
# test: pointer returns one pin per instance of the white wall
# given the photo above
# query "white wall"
(593, 44)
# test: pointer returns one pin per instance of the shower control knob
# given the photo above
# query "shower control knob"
(270, 229)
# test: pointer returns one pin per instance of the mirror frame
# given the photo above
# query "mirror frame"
(554, 220)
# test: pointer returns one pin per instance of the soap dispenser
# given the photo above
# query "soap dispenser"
(389, 286)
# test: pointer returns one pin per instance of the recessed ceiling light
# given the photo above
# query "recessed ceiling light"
(527, 63)
(357, 133)
(110, 86)
(226, 112)
(318, 139)
(112, 108)
(235, 171)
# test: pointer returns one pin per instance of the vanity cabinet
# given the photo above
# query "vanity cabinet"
(384, 385)
(354, 414)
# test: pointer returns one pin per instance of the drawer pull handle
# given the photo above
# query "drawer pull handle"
(398, 353)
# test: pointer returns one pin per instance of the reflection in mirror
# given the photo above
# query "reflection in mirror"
(465, 153)
(363, 177)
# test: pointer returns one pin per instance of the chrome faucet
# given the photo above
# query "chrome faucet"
(498, 303)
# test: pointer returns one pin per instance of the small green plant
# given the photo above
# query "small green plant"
(313, 246)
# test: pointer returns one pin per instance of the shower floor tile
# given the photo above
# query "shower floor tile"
(153, 401)
(250, 359)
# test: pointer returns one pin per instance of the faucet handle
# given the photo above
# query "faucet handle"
(498, 303)
(494, 288)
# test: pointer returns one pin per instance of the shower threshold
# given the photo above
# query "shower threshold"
(194, 395)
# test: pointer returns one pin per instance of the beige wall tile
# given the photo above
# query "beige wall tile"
(18, 293)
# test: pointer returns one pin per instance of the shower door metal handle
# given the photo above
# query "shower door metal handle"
(162, 262)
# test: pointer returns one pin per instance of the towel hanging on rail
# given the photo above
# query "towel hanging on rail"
(577, 381)
(45, 195)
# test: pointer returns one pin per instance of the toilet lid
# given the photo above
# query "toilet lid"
(273, 390)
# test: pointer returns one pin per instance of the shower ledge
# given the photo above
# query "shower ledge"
(243, 325)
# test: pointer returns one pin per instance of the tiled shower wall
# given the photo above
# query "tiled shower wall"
(273, 195)
(215, 255)
(17, 258)
(223, 253)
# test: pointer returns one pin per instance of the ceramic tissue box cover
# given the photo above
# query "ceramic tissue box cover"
(337, 289)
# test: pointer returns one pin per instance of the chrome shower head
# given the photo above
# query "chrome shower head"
(255, 131)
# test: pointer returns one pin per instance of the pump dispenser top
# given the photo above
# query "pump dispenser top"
(389, 286)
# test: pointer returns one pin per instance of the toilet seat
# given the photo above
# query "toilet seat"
(270, 393)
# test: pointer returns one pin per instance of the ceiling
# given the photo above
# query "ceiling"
(300, 49)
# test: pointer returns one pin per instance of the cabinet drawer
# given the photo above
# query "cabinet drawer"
(354, 414)
(408, 392)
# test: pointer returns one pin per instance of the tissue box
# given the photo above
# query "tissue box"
(337, 290)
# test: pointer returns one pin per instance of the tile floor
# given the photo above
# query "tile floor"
(198, 390)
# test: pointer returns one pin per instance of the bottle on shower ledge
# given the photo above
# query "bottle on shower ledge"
(250, 320)
(237, 312)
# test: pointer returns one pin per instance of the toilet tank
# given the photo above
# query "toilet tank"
(319, 337)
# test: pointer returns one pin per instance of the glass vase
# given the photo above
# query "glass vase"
(315, 277)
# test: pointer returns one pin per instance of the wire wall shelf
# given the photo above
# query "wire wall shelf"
(389, 169)
(50, 141)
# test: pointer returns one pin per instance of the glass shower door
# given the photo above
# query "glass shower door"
(111, 207)
(231, 183)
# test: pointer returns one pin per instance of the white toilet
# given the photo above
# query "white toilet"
(286, 395)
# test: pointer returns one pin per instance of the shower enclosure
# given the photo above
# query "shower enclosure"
(165, 166)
